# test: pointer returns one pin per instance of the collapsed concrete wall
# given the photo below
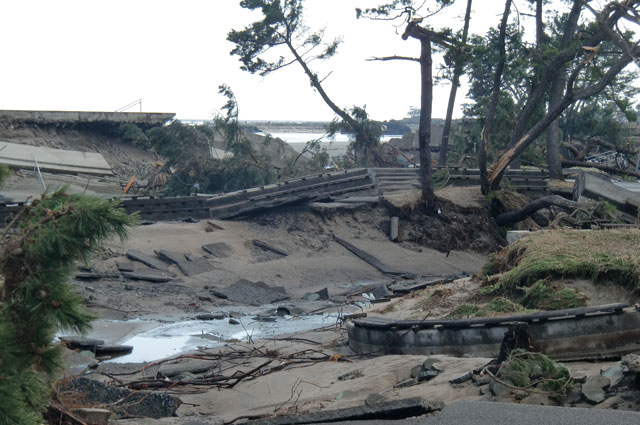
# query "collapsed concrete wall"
(574, 334)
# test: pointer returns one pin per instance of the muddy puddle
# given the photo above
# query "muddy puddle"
(154, 339)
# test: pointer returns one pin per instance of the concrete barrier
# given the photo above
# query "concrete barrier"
(573, 334)
(77, 117)
(54, 160)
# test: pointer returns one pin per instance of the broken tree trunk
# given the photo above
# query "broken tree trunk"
(532, 207)
(493, 103)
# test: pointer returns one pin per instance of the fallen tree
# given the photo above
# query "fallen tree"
(603, 167)
(532, 207)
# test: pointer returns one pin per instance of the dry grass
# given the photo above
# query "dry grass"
(595, 254)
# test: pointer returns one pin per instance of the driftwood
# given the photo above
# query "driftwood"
(532, 207)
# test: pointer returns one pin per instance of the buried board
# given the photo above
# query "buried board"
(573, 334)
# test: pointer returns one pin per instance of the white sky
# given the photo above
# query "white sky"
(102, 55)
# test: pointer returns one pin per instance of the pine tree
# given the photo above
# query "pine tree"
(36, 300)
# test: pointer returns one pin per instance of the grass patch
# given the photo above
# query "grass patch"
(542, 296)
(612, 254)
(525, 370)
(495, 307)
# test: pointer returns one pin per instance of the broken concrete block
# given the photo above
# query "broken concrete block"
(416, 370)
(373, 398)
(632, 362)
(125, 402)
(593, 388)
(573, 396)
(499, 390)
(268, 247)
(81, 343)
(135, 255)
(393, 231)
(614, 373)
(211, 316)
(406, 383)
(150, 275)
(479, 380)
(427, 375)
(322, 294)
(462, 378)
(125, 266)
(189, 265)
(254, 293)
(429, 362)
(351, 375)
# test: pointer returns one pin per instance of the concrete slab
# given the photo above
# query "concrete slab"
(253, 293)
(189, 265)
(218, 249)
(135, 255)
(54, 160)
(396, 409)
(75, 117)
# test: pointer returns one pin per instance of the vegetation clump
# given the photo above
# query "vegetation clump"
(495, 307)
(36, 301)
(598, 254)
(525, 370)
(543, 296)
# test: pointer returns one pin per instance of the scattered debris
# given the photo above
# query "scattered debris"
(122, 401)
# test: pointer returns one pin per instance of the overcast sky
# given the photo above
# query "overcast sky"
(173, 54)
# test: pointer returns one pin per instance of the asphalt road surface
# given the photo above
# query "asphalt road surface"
(491, 413)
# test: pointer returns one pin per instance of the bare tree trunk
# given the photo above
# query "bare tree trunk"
(553, 132)
(315, 83)
(493, 102)
(570, 96)
(455, 82)
(424, 131)
(552, 71)
(555, 96)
